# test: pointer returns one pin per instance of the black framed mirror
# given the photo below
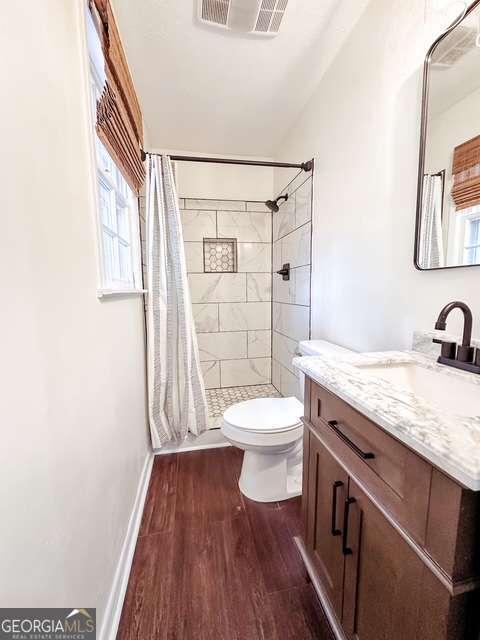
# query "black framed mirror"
(447, 233)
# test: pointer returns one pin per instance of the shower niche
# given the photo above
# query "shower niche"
(220, 255)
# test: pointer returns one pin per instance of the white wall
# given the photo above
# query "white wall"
(74, 436)
(222, 181)
(362, 125)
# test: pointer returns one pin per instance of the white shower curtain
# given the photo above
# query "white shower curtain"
(431, 252)
(177, 402)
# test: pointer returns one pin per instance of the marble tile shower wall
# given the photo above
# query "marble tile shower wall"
(291, 299)
(232, 311)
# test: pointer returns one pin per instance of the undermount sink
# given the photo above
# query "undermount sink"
(452, 394)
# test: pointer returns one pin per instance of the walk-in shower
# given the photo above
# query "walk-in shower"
(248, 319)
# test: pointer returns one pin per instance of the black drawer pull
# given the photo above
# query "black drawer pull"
(345, 548)
(336, 485)
(362, 454)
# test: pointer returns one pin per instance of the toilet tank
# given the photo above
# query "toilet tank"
(316, 348)
(320, 348)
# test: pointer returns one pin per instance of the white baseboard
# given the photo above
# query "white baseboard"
(211, 439)
(113, 610)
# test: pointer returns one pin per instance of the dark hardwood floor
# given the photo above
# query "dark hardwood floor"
(212, 565)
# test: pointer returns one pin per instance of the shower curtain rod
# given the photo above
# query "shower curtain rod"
(305, 166)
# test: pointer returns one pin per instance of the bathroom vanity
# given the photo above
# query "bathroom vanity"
(391, 502)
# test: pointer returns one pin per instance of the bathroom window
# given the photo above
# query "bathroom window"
(472, 241)
(117, 211)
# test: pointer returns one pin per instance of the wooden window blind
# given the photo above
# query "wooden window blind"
(466, 174)
(119, 117)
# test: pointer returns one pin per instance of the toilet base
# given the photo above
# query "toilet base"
(270, 477)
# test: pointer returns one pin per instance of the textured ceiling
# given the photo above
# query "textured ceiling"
(210, 92)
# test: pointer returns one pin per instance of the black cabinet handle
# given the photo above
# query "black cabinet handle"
(345, 548)
(333, 424)
(336, 485)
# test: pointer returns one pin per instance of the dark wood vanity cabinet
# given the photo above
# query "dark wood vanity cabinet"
(390, 541)
(330, 483)
(381, 570)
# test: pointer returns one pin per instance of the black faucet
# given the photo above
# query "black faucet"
(464, 357)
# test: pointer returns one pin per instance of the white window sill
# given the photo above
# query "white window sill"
(103, 293)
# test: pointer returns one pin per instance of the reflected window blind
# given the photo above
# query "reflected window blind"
(466, 174)
(119, 117)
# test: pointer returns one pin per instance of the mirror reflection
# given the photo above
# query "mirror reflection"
(448, 222)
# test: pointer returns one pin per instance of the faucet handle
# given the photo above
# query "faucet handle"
(477, 357)
(449, 349)
(465, 353)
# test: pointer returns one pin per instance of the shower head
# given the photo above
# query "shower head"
(273, 204)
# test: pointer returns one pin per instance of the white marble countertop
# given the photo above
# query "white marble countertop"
(450, 442)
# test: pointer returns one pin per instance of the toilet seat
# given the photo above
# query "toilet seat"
(265, 415)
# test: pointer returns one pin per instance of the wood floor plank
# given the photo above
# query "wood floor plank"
(197, 604)
(146, 607)
(213, 565)
(292, 514)
(298, 615)
(249, 613)
(159, 511)
(279, 559)
(207, 489)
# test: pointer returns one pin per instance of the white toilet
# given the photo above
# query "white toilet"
(270, 431)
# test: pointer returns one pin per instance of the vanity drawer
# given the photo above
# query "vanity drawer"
(394, 474)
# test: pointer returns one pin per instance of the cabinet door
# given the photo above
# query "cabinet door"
(328, 484)
(383, 575)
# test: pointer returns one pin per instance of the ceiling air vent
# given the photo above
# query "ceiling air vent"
(214, 11)
(261, 17)
(458, 43)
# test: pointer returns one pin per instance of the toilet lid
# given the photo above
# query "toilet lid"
(265, 414)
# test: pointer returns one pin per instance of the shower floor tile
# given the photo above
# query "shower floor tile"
(219, 400)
